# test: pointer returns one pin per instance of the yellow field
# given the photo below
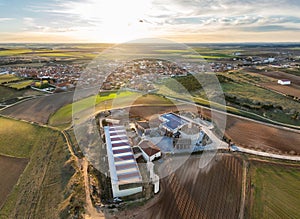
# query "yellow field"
(8, 78)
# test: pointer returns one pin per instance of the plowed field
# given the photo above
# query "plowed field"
(10, 170)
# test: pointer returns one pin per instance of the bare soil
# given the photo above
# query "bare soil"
(280, 75)
(262, 137)
(191, 192)
(10, 170)
(292, 89)
(39, 109)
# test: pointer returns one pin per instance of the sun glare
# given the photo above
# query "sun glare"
(115, 21)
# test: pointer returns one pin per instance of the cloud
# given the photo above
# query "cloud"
(3, 19)
(114, 18)
(32, 25)
(226, 8)
(270, 28)
(29, 21)
(235, 12)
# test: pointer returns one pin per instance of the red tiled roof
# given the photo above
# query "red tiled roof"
(149, 148)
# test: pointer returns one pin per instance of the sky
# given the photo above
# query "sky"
(116, 21)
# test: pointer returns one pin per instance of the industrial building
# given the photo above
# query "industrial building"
(124, 172)
(172, 123)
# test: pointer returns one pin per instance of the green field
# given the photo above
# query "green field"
(61, 54)
(245, 76)
(179, 51)
(275, 191)
(293, 71)
(199, 53)
(208, 56)
(200, 98)
(242, 95)
(8, 78)
(64, 115)
(262, 102)
(7, 93)
(22, 145)
(14, 51)
(43, 188)
(76, 52)
(20, 85)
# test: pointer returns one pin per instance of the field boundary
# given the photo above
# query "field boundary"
(243, 192)
(235, 148)
(267, 121)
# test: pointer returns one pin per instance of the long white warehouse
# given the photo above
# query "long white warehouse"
(125, 175)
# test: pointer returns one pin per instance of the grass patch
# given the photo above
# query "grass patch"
(293, 71)
(20, 85)
(14, 51)
(42, 186)
(173, 51)
(8, 93)
(56, 54)
(105, 101)
(63, 116)
(23, 144)
(208, 56)
(245, 90)
(8, 78)
(241, 95)
(245, 76)
(262, 102)
(275, 191)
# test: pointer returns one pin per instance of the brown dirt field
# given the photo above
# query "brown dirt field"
(39, 109)
(10, 171)
(255, 135)
(191, 192)
(146, 112)
(262, 137)
(281, 75)
(292, 89)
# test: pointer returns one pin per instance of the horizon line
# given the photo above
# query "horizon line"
(130, 42)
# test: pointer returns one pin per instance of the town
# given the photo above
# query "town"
(63, 75)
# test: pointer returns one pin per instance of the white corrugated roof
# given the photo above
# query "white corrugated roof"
(124, 156)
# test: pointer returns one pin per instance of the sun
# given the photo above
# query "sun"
(114, 20)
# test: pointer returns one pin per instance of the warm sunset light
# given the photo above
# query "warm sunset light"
(149, 109)
(119, 21)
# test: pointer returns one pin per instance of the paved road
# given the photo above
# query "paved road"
(276, 125)
(222, 145)
(206, 127)
(264, 154)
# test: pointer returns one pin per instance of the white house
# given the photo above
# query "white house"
(284, 82)
(271, 59)
(149, 150)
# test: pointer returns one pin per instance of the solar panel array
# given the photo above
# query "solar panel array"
(173, 121)
(123, 165)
